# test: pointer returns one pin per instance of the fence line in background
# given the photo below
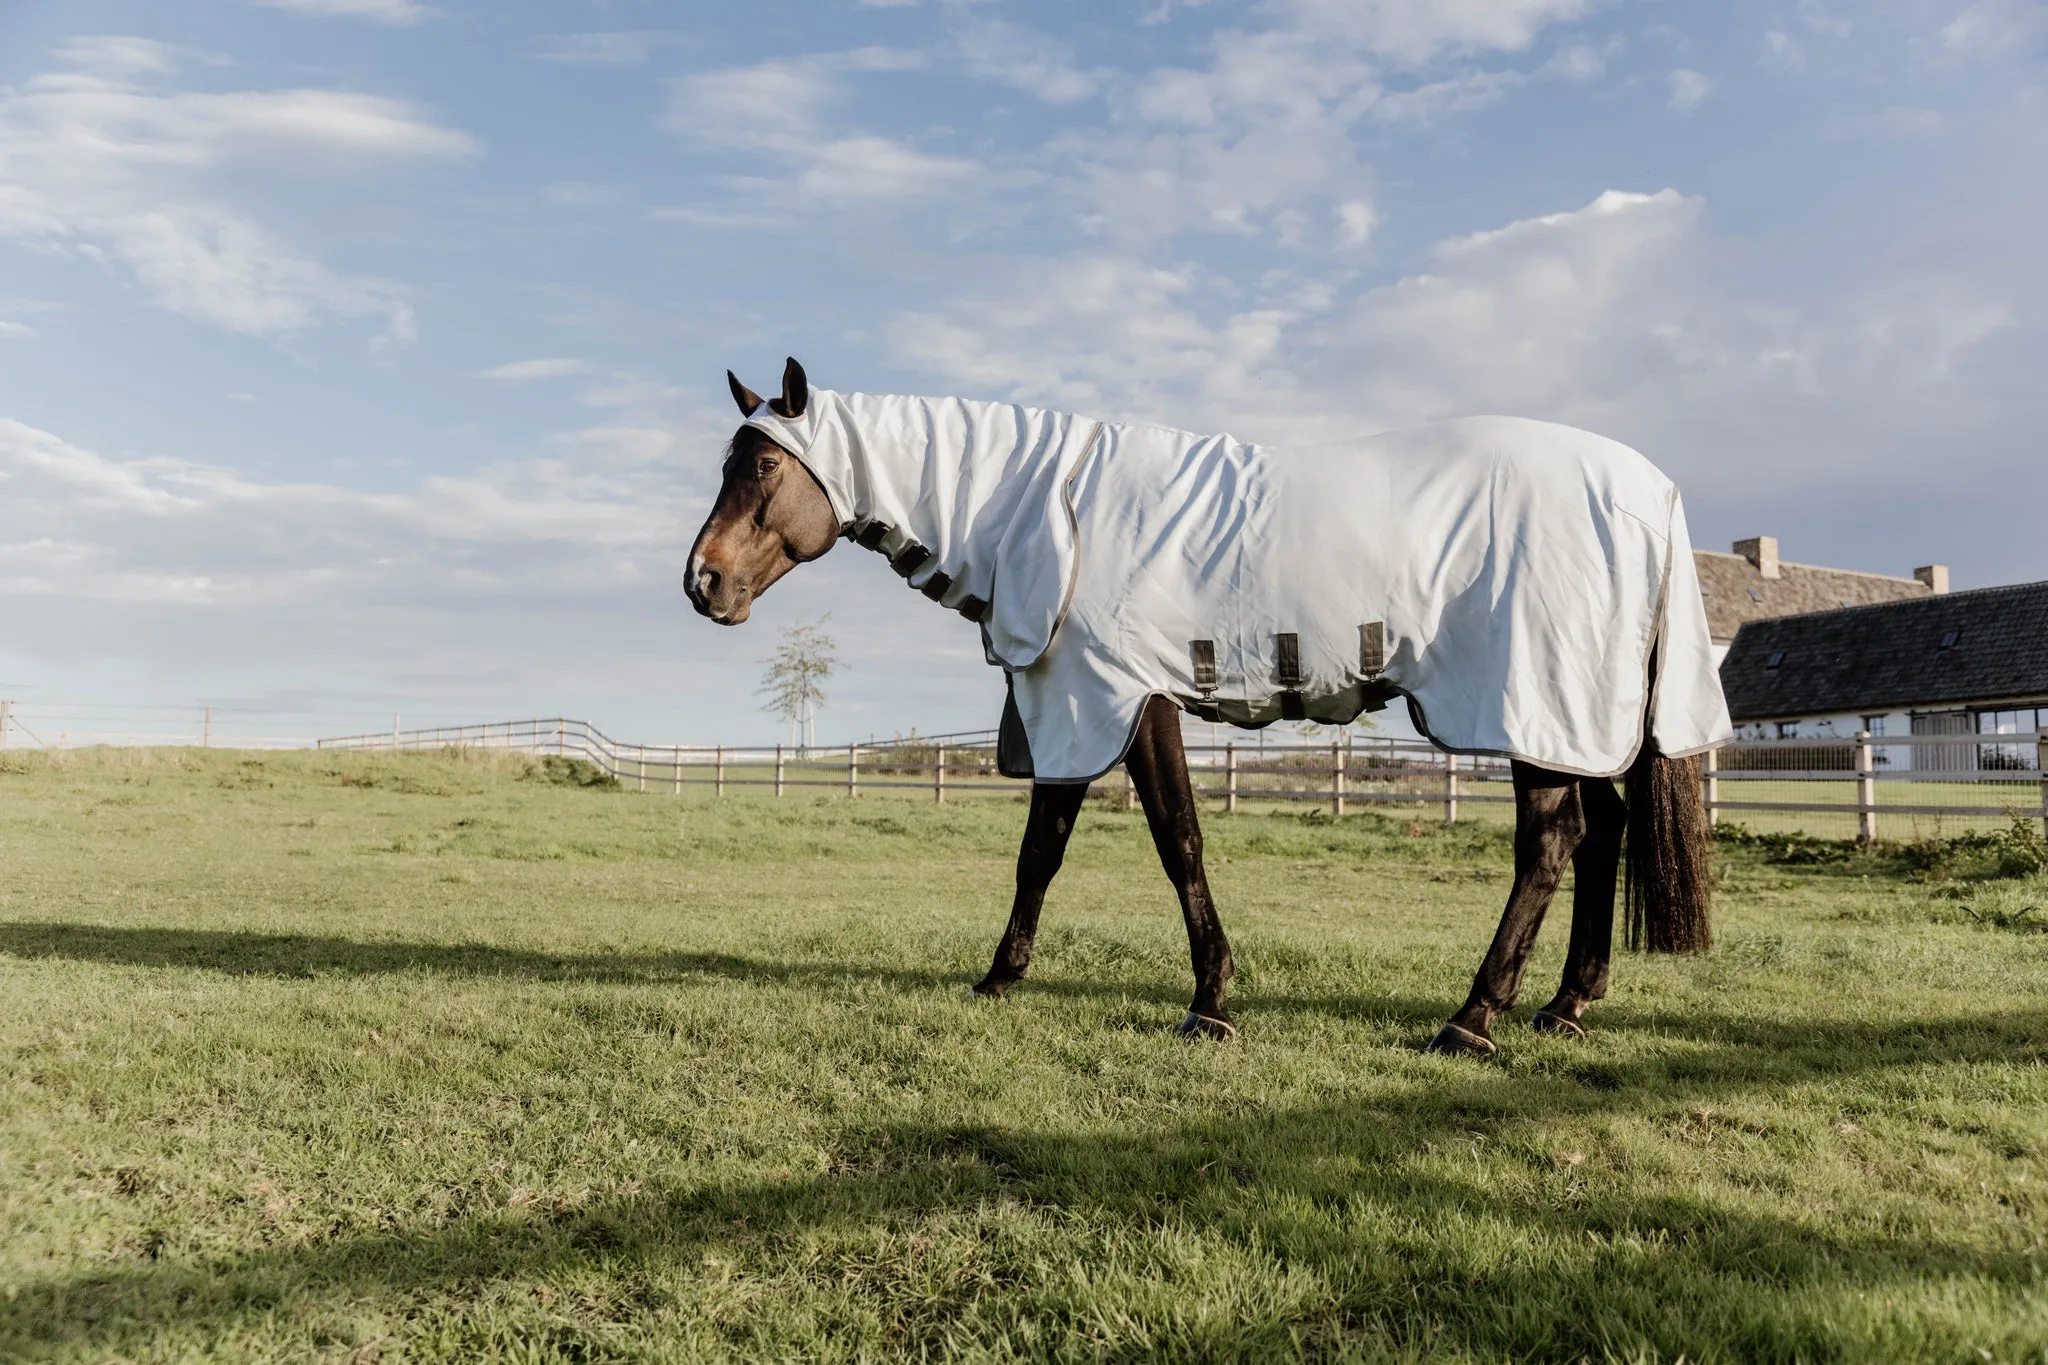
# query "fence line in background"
(1880, 780)
(1862, 785)
(1354, 770)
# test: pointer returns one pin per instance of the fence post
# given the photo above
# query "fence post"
(2040, 762)
(718, 771)
(1710, 781)
(1450, 789)
(939, 775)
(1130, 789)
(778, 770)
(642, 751)
(1866, 790)
(676, 771)
(1230, 778)
(853, 770)
(1336, 780)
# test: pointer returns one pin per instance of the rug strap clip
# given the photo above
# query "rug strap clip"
(1202, 654)
(1287, 672)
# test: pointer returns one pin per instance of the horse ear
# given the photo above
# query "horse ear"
(796, 392)
(741, 394)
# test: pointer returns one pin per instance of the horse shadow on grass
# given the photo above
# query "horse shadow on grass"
(1765, 1046)
(1394, 1246)
(307, 956)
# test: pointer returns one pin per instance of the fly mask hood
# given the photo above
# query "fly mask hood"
(968, 500)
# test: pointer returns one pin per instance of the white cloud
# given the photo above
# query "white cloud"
(1689, 89)
(1783, 51)
(147, 180)
(1416, 32)
(1262, 139)
(78, 524)
(116, 55)
(617, 48)
(993, 49)
(16, 329)
(1996, 28)
(778, 109)
(1427, 105)
(1578, 63)
(521, 371)
(397, 12)
(1356, 221)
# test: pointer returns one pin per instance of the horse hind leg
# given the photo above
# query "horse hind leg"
(1159, 770)
(1596, 867)
(1549, 825)
(1054, 807)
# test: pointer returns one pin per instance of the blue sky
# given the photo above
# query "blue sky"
(361, 356)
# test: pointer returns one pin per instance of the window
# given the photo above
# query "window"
(1755, 596)
(1777, 656)
(1874, 724)
(2023, 723)
(1949, 638)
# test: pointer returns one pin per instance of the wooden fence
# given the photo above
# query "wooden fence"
(1862, 786)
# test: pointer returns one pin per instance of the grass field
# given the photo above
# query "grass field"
(355, 1057)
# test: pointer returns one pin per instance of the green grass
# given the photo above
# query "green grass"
(358, 1057)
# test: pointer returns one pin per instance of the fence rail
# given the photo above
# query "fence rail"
(1862, 785)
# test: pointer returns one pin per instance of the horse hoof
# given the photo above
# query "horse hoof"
(1543, 1021)
(1206, 1026)
(1453, 1041)
(985, 991)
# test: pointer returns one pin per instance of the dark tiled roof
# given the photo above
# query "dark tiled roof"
(1877, 658)
(1729, 580)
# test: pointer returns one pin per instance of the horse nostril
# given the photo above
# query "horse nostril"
(708, 581)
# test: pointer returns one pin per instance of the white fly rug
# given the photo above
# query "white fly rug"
(1508, 577)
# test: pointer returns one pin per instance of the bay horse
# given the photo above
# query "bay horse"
(894, 475)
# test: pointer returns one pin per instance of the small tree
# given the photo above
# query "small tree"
(793, 687)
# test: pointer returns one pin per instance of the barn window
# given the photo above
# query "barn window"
(1755, 596)
(1949, 638)
(1777, 656)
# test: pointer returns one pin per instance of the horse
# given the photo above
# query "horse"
(1500, 555)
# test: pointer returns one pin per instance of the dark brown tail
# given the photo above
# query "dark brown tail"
(1668, 883)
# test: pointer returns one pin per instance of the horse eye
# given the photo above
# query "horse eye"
(765, 468)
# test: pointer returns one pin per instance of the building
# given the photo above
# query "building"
(1753, 584)
(1962, 663)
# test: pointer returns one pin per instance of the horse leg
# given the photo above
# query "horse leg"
(1595, 868)
(1159, 769)
(1548, 827)
(1053, 808)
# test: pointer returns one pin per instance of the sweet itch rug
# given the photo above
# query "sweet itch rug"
(1513, 580)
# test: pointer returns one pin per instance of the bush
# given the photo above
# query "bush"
(558, 771)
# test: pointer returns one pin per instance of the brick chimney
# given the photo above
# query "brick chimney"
(1762, 551)
(1935, 576)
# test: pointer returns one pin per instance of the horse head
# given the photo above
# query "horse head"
(771, 514)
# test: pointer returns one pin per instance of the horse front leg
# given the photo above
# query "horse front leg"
(1159, 769)
(1548, 827)
(1054, 807)
(1595, 868)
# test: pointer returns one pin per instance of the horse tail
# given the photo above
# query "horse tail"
(1668, 884)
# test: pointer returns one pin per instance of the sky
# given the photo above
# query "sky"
(362, 357)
